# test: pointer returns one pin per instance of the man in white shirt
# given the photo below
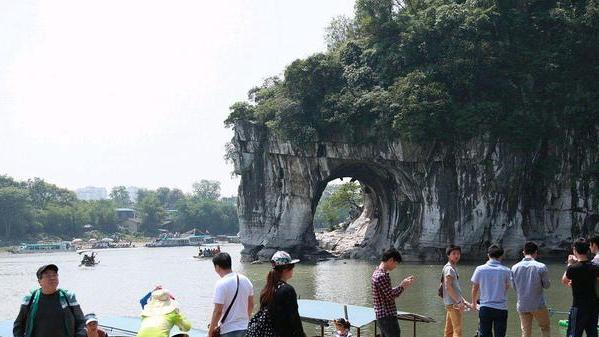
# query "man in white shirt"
(233, 300)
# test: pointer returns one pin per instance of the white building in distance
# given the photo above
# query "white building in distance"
(91, 193)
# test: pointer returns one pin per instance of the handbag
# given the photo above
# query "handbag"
(216, 332)
(261, 325)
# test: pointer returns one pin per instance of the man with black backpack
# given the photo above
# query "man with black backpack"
(233, 300)
(451, 292)
(49, 311)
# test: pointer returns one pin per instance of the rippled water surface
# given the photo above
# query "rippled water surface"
(124, 275)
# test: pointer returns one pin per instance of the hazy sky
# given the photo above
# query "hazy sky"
(121, 92)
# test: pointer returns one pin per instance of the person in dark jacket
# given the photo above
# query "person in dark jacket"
(49, 311)
(280, 298)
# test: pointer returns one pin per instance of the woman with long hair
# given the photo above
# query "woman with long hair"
(280, 297)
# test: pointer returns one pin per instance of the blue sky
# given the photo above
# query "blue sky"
(107, 93)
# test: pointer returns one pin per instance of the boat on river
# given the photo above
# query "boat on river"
(207, 251)
(168, 242)
(324, 312)
(28, 248)
(88, 260)
(178, 241)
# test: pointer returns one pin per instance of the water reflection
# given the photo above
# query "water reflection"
(115, 285)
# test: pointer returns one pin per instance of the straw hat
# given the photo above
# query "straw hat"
(161, 303)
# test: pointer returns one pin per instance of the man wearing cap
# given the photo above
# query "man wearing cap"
(49, 311)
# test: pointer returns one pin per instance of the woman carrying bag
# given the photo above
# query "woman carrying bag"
(278, 315)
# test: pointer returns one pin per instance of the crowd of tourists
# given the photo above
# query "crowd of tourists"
(529, 278)
(53, 312)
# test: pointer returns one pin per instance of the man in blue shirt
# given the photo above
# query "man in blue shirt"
(529, 279)
(490, 283)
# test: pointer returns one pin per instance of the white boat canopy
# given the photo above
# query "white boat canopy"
(323, 312)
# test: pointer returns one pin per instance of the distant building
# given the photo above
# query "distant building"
(91, 193)
(125, 213)
(131, 225)
(127, 219)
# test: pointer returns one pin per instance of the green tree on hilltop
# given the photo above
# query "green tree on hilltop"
(442, 71)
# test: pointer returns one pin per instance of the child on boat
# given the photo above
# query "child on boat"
(342, 327)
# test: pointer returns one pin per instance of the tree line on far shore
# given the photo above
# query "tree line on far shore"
(35, 208)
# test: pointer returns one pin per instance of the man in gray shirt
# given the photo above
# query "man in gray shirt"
(529, 278)
(454, 302)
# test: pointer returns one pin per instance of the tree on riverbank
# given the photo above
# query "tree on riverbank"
(35, 208)
(338, 203)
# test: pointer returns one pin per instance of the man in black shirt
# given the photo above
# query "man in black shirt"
(49, 311)
(581, 275)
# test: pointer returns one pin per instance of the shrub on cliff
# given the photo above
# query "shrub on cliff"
(442, 71)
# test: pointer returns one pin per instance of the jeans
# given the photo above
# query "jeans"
(236, 333)
(453, 322)
(389, 327)
(542, 318)
(493, 322)
(582, 319)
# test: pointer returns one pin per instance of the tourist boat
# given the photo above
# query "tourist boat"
(311, 311)
(169, 242)
(115, 326)
(200, 239)
(324, 312)
(210, 247)
(63, 246)
(191, 240)
(88, 260)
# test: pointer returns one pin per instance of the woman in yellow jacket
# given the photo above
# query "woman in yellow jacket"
(160, 315)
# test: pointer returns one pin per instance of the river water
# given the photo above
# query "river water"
(124, 275)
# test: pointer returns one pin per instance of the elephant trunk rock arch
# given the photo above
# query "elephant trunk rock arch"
(422, 199)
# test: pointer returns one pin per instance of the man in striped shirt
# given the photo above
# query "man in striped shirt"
(384, 294)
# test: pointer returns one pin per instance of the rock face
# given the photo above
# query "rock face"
(421, 199)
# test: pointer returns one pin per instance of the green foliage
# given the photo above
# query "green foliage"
(442, 71)
(151, 212)
(34, 207)
(336, 204)
(339, 31)
(206, 190)
(15, 210)
(215, 216)
(120, 196)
